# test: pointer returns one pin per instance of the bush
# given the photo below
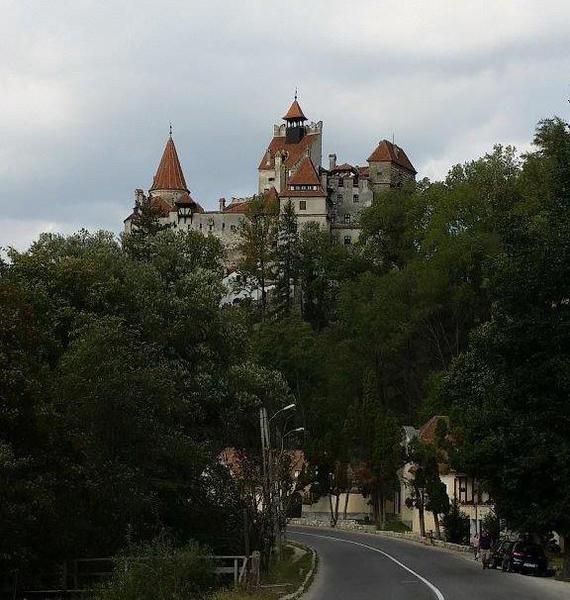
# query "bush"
(395, 525)
(160, 571)
(456, 524)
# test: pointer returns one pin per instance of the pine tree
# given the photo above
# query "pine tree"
(287, 255)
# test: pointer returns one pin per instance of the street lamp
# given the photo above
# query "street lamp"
(284, 409)
(297, 430)
(268, 465)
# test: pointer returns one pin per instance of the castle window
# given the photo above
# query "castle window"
(355, 198)
(340, 182)
(347, 240)
(210, 227)
(232, 227)
(347, 218)
(302, 205)
(200, 225)
(339, 198)
(223, 226)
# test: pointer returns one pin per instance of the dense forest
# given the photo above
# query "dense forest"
(122, 377)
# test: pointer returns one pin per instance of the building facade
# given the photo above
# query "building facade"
(290, 170)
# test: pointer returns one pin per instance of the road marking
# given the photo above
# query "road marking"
(430, 585)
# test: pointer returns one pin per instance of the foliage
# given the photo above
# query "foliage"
(456, 524)
(287, 258)
(121, 380)
(258, 234)
(510, 390)
(160, 571)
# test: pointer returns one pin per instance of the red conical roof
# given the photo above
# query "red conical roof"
(295, 112)
(169, 175)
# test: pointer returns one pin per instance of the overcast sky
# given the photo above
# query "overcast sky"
(88, 88)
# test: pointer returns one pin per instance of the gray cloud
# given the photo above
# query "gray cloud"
(88, 89)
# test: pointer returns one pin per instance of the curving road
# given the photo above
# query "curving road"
(359, 566)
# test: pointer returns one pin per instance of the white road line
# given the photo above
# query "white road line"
(430, 585)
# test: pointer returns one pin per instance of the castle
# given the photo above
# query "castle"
(290, 169)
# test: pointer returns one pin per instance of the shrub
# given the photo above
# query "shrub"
(160, 571)
(456, 525)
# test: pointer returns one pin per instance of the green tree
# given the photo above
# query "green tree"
(287, 258)
(258, 233)
(510, 390)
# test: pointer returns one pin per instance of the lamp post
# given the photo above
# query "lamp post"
(268, 475)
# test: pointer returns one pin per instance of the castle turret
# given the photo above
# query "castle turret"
(295, 120)
(169, 183)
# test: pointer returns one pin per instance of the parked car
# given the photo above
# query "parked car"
(525, 557)
(498, 552)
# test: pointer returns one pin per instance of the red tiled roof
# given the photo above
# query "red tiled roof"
(169, 175)
(388, 152)
(241, 205)
(306, 174)
(293, 152)
(428, 430)
(295, 112)
(237, 207)
(363, 171)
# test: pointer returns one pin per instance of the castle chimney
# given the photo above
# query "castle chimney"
(332, 162)
(222, 204)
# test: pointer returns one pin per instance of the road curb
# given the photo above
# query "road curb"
(356, 528)
(310, 575)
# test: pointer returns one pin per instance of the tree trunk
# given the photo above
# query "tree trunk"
(334, 509)
(382, 510)
(565, 546)
(437, 528)
(346, 499)
(422, 520)
(375, 508)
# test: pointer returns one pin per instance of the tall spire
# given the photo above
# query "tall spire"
(295, 113)
(169, 175)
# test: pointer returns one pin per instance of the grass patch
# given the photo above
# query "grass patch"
(394, 525)
(292, 569)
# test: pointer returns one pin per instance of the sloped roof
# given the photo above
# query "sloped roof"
(241, 205)
(306, 174)
(344, 167)
(388, 152)
(428, 430)
(169, 175)
(293, 152)
(237, 207)
(295, 112)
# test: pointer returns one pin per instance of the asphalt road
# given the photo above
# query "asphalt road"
(359, 566)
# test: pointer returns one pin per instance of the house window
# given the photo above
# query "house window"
(347, 218)
(302, 205)
(347, 240)
(461, 489)
(355, 198)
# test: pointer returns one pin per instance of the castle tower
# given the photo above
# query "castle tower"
(292, 142)
(169, 183)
